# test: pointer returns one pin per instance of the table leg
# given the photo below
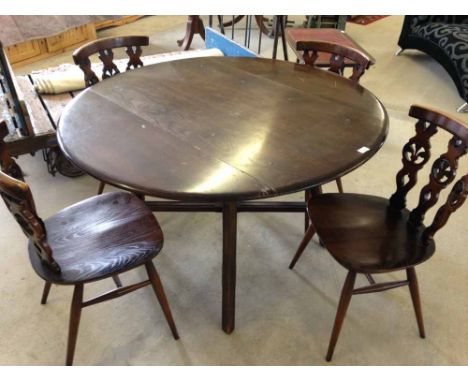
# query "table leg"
(229, 265)
(310, 193)
(275, 30)
(278, 27)
(194, 26)
(260, 22)
(315, 191)
(284, 21)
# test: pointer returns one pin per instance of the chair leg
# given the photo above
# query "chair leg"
(101, 188)
(340, 185)
(159, 291)
(117, 281)
(307, 237)
(307, 196)
(75, 314)
(345, 299)
(414, 290)
(370, 278)
(463, 108)
(45, 292)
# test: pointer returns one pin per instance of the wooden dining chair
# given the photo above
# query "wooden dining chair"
(104, 47)
(332, 49)
(339, 58)
(336, 58)
(95, 239)
(369, 234)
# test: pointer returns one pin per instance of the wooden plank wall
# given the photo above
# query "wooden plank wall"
(30, 45)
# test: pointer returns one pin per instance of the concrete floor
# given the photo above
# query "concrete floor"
(283, 317)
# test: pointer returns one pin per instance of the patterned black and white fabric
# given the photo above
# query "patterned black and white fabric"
(450, 33)
(444, 19)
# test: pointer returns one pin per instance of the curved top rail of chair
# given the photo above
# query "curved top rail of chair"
(439, 118)
(108, 43)
(357, 56)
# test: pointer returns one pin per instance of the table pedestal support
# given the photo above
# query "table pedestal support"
(194, 26)
(279, 23)
(229, 210)
(229, 265)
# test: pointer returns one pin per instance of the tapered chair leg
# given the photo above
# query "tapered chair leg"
(370, 278)
(75, 314)
(414, 290)
(159, 291)
(307, 196)
(45, 292)
(117, 281)
(339, 185)
(307, 237)
(101, 188)
(345, 299)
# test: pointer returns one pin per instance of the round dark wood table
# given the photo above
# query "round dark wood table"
(212, 134)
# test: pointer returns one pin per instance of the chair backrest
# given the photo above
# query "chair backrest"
(104, 47)
(230, 48)
(416, 153)
(19, 201)
(340, 57)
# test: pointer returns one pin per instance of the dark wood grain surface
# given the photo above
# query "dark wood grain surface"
(364, 235)
(218, 128)
(370, 234)
(92, 239)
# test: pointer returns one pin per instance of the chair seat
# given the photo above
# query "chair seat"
(99, 237)
(362, 234)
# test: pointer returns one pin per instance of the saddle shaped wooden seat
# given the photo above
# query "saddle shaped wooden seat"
(97, 238)
(110, 233)
(369, 234)
(381, 239)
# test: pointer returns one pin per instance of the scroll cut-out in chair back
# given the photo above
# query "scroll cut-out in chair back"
(19, 201)
(104, 48)
(416, 153)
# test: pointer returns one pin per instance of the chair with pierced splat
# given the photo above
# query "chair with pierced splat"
(95, 239)
(369, 234)
(103, 47)
(332, 49)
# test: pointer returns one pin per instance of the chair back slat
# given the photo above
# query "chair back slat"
(18, 198)
(104, 47)
(454, 201)
(442, 173)
(109, 68)
(416, 153)
(360, 61)
(134, 53)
